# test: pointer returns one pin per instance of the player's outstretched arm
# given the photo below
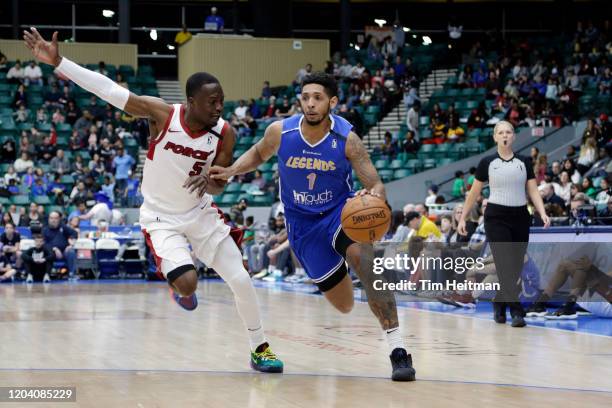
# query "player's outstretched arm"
(96, 83)
(365, 170)
(256, 155)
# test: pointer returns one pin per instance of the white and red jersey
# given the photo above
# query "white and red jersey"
(175, 155)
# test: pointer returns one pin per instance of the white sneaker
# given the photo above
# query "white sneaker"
(46, 278)
(275, 276)
(29, 279)
(261, 274)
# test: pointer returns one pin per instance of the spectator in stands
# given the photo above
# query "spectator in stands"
(108, 188)
(410, 144)
(432, 194)
(241, 110)
(237, 211)
(34, 216)
(96, 165)
(39, 188)
(606, 213)
(254, 109)
(514, 115)
(106, 153)
(52, 97)
(73, 113)
(59, 239)
(80, 193)
(122, 163)
(283, 110)
(3, 63)
(547, 192)
(23, 163)
(459, 189)
(10, 240)
(592, 130)
(7, 271)
(266, 91)
(540, 167)
(563, 187)
(41, 116)
(412, 118)
(28, 178)
(75, 143)
(46, 151)
(57, 190)
(78, 167)
(588, 188)
(22, 114)
(455, 132)
(10, 175)
(388, 148)
(8, 152)
(465, 77)
(588, 155)
(422, 226)
(38, 261)
(214, 22)
(478, 117)
(133, 195)
(552, 90)
(577, 201)
(60, 163)
(604, 192)
(33, 74)
(6, 218)
(555, 172)
(16, 74)
(80, 210)
(182, 36)
(471, 178)
(344, 70)
(302, 72)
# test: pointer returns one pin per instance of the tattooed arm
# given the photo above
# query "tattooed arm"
(357, 154)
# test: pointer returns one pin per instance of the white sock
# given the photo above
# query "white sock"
(228, 264)
(394, 339)
(256, 337)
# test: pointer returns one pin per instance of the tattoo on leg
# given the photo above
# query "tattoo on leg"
(381, 302)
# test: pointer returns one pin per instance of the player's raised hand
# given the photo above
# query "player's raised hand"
(45, 51)
(220, 173)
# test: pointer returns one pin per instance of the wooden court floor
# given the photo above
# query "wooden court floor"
(129, 345)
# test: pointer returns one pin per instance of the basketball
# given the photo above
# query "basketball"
(366, 219)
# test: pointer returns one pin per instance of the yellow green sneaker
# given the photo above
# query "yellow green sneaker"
(264, 360)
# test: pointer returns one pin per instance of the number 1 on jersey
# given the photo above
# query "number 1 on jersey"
(311, 180)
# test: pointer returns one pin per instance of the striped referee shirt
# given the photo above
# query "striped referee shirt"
(507, 179)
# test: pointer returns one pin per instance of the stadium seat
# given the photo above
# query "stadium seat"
(415, 165)
(228, 199)
(85, 255)
(401, 173)
(386, 175)
(381, 164)
(42, 200)
(232, 188)
(426, 151)
(396, 164)
(429, 164)
(262, 200)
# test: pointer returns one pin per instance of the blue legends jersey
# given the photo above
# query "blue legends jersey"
(314, 178)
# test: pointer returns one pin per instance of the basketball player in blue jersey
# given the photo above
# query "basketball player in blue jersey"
(316, 153)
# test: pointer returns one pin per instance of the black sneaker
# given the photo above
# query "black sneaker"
(499, 312)
(565, 312)
(518, 314)
(401, 362)
(536, 310)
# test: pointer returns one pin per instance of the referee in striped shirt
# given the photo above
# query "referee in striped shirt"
(506, 220)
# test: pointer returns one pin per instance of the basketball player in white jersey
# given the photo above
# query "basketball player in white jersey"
(178, 209)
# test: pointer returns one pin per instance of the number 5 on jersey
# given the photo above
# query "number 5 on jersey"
(197, 168)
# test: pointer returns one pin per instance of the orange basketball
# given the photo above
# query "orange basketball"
(365, 219)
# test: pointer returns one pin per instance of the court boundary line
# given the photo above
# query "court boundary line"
(297, 374)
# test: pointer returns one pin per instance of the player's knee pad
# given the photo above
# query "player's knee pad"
(184, 279)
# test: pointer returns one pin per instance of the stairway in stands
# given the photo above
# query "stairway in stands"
(394, 119)
(170, 91)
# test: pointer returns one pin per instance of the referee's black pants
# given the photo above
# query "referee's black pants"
(507, 230)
